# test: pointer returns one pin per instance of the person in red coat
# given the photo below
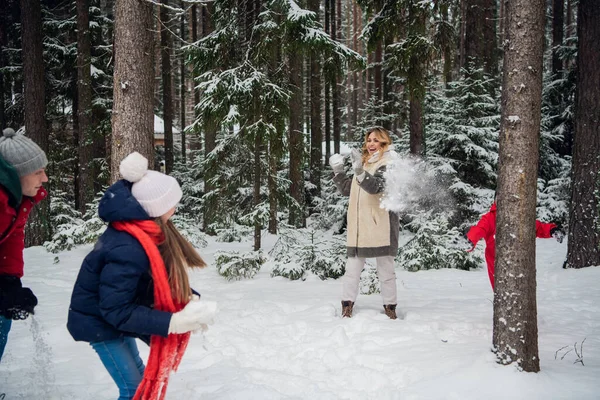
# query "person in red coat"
(486, 229)
(22, 173)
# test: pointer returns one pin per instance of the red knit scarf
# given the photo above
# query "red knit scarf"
(165, 353)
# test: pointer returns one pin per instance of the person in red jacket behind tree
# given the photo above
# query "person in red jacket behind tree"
(486, 229)
(22, 173)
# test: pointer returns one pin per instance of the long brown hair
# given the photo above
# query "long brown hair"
(384, 137)
(177, 254)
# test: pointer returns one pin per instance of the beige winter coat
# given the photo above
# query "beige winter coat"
(372, 230)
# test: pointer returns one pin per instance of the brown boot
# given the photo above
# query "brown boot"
(347, 308)
(390, 310)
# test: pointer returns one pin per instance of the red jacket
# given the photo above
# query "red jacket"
(12, 231)
(486, 229)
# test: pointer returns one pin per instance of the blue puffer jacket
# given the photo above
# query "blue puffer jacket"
(114, 292)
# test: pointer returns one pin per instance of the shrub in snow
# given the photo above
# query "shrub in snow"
(436, 245)
(553, 200)
(72, 229)
(236, 266)
(369, 281)
(232, 233)
(301, 251)
(190, 230)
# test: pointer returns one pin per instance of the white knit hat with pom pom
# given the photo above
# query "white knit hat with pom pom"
(156, 192)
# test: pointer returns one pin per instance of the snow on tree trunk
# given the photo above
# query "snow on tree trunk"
(316, 133)
(515, 310)
(85, 170)
(133, 87)
(296, 142)
(584, 221)
(167, 83)
(38, 227)
(480, 35)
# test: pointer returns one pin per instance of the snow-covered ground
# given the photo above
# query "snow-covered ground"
(278, 339)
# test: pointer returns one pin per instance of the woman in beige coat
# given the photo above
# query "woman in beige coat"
(372, 230)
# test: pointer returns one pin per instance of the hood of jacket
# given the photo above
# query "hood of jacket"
(9, 179)
(118, 204)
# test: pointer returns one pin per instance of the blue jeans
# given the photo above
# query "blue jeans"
(5, 325)
(121, 359)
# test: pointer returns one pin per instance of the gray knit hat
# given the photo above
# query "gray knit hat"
(21, 152)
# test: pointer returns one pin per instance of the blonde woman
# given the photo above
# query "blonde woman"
(372, 231)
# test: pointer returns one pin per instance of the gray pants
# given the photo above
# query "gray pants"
(385, 272)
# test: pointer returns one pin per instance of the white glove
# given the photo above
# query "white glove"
(357, 164)
(336, 162)
(194, 316)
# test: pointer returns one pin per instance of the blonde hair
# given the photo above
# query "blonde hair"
(384, 137)
(177, 254)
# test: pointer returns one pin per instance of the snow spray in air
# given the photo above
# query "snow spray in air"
(412, 184)
(41, 373)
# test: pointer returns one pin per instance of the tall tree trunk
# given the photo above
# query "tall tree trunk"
(328, 88)
(38, 226)
(377, 82)
(296, 141)
(133, 87)
(584, 221)
(84, 107)
(256, 192)
(480, 35)
(316, 133)
(183, 84)
(558, 19)
(335, 90)
(416, 86)
(515, 310)
(447, 50)
(167, 84)
(3, 42)
(461, 36)
(194, 139)
(210, 135)
(355, 75)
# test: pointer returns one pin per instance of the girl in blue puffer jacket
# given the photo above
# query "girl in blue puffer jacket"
(134, 284)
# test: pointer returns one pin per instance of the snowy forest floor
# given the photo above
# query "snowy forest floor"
(280, 339)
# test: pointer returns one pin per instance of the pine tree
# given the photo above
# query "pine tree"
(133, 87)
(515, 311)
(584, 221)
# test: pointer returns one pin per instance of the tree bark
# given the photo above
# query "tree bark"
(480, 35)
(256, 191)
(167, 84)
(584, 221)
(515, 311)
(416, 85)
(316, 133)
(84, 107)
(296, 141)
(183, 84)
(133, 87)
(558, 19)
(38, 228)
(3, 42)
(336, 97)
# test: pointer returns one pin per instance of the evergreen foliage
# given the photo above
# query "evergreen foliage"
(70, 227)
(301, 251)
(236, 266)
(436, 245)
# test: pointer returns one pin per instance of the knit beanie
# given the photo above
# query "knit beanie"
(156, 192)
(21, 152)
